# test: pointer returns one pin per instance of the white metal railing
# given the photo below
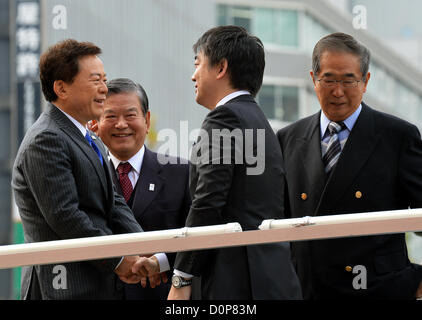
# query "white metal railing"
(231, 234)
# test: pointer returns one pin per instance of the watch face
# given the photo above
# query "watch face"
(176, 281)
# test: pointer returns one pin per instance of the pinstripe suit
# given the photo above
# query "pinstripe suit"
(63, 192)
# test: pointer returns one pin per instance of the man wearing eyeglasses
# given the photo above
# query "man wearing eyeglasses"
(350, 158)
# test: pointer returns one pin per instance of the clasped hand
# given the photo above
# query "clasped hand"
(135, 269)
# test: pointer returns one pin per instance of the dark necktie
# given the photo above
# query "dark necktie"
(94, 146)
(333, 148)
(124, 169)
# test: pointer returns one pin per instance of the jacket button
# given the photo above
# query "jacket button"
(348, 268)
(358, 194)
(304, 196)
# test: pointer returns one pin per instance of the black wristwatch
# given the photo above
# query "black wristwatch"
(178, 282)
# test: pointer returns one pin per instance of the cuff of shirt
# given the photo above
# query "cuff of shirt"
(119, 263)
(163, 261)
(182, 274)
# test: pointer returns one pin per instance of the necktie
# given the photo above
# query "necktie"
(333, 148)
(124, 169)
(94, 146)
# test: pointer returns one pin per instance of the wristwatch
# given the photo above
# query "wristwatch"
(178, 282)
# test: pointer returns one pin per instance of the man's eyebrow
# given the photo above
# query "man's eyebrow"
(329, 74)
(98, 74)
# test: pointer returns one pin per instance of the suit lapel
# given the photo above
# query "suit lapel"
(358, 148)
(310, 149)
(73, 132)
(149, 183)
(115, 179)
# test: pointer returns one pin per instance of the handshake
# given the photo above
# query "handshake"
(135, 269)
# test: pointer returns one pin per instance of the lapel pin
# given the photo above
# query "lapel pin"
(151, 187)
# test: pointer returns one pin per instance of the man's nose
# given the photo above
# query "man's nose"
(103, 87)
(121, 123)
(338, 90)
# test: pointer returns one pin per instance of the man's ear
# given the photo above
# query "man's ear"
(222, 68)
(313, 77)
(148, 120)
(60, 89)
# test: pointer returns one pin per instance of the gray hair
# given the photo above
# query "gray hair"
(341, 42)
(125, 85)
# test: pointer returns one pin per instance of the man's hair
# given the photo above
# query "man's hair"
(124, 85)
(61, 62)
(244, 54)
(341, 42)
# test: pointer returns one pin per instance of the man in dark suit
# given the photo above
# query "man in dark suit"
(156, 187)
(61, 181)
(350, 158)
(228, 184)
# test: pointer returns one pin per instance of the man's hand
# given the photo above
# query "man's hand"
(149, 267)
(418, 294)
(182, 293)
(93, 126)
(124, 270)
(156, 280)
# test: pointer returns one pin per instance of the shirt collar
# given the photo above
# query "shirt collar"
(75, 122)
(349, 122)
(231, 96)
(135, 161)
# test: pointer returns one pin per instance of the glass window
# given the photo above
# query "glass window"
(5, 69)
(279, 102)
(242, 17)
(278, 27)
(312, 32)
(4, 19)
(5, 136)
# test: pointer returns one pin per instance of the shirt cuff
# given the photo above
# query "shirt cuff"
(119, 263)
(163, 262)
(182, 274)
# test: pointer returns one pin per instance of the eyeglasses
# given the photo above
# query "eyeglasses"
(329, 83)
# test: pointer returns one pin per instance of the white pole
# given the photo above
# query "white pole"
(307, 228)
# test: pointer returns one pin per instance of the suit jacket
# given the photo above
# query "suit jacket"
(63, 192)
(223, 193)
(166, 207)
(382, 159)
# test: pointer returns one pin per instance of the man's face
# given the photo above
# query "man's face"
(123, 126)
(338, 102)
(85, 96)
(205, 80)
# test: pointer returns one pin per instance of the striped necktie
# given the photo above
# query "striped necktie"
(333, 148)
(94, 146)
(127, 188)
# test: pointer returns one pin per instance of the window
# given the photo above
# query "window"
(279, 27)
(279, 102)
(235, 15)
(272, 26)
(312, 32)
(5, 69)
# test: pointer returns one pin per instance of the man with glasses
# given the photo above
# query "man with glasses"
(350, 158)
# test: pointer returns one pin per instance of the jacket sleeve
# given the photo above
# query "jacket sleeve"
(214, 164)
